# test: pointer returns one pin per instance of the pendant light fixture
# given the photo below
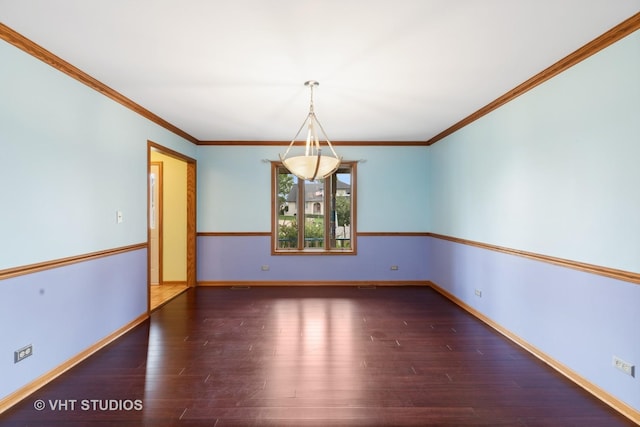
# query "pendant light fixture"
(313, 164)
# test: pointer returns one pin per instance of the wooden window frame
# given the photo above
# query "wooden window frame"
(326, 249)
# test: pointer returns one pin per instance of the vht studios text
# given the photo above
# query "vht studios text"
(89, 405)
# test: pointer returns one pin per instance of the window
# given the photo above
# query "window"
(314, 217)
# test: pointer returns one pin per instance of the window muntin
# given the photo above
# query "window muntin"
(327, 209)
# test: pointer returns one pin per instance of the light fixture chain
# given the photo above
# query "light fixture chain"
(311, 99)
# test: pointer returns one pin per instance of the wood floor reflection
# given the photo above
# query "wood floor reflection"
(330, 356)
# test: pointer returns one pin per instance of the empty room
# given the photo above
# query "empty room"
(329, 213)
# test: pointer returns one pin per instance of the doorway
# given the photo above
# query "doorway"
(171, 231)
(155, 223)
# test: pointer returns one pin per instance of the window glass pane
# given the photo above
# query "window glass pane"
(287, 210)
(314, 216)
(314, 209)
(341, 215)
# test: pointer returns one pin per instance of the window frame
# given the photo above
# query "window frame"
(300, 247)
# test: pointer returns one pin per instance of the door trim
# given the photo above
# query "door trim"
(191, 211)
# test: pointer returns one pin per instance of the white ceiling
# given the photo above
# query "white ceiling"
(390, 70)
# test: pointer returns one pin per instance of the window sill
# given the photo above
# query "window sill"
(313, 252)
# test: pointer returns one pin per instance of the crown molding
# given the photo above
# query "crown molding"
(613, 35)
(608, 38)
(334, 143)
(38, 52)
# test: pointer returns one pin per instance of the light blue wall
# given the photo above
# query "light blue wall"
(555, 172)
(69, 159)
(234, 188)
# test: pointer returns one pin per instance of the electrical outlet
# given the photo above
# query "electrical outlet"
(623, 366)
(22, 353)
(394, 267)
(264, 267)
(478, 293)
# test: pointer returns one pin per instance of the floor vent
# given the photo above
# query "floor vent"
(240, 288)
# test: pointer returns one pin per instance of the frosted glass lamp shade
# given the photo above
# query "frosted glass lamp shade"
(307, 167)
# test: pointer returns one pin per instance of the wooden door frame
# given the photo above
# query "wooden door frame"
(191, 212)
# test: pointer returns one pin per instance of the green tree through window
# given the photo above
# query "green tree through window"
(314, 216)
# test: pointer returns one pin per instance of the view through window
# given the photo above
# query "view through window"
(314, 216)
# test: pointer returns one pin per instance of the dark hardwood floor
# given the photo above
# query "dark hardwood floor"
(312, 356)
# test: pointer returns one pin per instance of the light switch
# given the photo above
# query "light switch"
(119, 218)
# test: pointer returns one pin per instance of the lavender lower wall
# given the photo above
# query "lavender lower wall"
(577, 318)
(240, 258)
(63, 311)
